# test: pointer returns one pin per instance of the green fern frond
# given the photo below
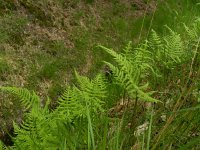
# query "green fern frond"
(194, 31)
(128, 49)
(100, 81)
(128, 73)
(27, 98)
(119, 58)
(31, 133)
(2, 146)
(155, 41)
(70, 104)
(34, 130)
(156, 46)
(143, 58)
(174, 50)
(124, 64)
(62, 135)
(90, 92)
(95, 88)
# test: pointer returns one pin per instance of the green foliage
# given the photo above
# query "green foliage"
(153, 59)
(75, 101)
(128, 74)
(82, 119)
(185, 121)
(73, 123)
(49, 71)
(193, 32)
(60, 128)
(11, 29)
(27, 98)
(168, 50)
(139, 63)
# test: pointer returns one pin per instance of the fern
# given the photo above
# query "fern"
(43, 129)
(146, 60)
(2, 146)
(156, 46)
(27, 98)
(74, 100)
(95, 88)
(167, 51)
(194, 31)
(128, 49)
(128, 73)
(70, 126)
(155, 41)
(143, 60)
(29, 133)
(174, 50)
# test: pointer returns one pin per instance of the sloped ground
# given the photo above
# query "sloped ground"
(41, 42)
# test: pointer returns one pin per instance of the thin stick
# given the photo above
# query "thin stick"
(143, 20)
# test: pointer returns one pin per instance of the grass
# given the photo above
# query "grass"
(41, 46)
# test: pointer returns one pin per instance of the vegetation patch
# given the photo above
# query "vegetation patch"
(140, 95)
